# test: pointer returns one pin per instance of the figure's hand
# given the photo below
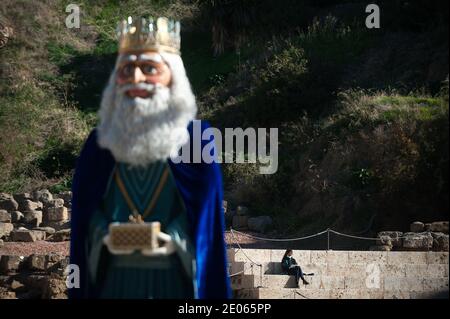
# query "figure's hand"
(167, 249)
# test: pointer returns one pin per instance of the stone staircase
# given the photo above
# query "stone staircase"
(340, 275)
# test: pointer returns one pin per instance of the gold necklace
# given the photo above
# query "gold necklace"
(136, 217)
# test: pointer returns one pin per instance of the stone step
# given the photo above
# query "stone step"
(280, 293)
(339, 257)
(351, 270)
(341, 282)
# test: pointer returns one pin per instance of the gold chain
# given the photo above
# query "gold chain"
(139, 217)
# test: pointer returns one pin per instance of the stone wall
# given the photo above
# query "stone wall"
(341, 274)
(33, 277)
(35, 217)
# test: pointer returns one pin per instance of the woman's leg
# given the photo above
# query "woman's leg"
(295, 272)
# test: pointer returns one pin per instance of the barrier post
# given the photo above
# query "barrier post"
(328, 235)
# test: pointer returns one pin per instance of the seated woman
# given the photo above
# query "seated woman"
(289, 266)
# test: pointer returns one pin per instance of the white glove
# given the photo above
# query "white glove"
(167, 249)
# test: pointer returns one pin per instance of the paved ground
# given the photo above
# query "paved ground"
(39, 247)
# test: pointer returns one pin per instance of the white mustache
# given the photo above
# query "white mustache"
(151, 88)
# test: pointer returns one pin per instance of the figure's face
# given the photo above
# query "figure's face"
(290, 253)
(142, 67)
(146, 108)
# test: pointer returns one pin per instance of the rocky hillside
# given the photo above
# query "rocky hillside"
(362, 114)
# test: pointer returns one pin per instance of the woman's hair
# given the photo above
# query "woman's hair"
(287, 252)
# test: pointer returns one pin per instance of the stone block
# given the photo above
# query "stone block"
(16, 217)
(7, 202)
(5, 217)
(417, 227)
(394, 235)
(403, 284)
(37, 262)
(367, 257)
(418, 241)
(61, 235)
(436, 284)
(33, 218)
(27, 235)
(436, 257)
(338, 257)
(29, 205)
(439, 227)
(5, 229)
(318, 257)
(43, 196)
(10, 264)
(56, 214)
(256, 255)
(396, 294)
(393, 270)
(403, 257)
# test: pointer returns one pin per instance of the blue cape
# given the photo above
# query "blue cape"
(200, 185)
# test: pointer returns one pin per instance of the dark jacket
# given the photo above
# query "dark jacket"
(287, 262)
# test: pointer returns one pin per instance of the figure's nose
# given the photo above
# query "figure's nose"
(138, 76)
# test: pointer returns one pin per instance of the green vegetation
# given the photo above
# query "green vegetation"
(362, 114)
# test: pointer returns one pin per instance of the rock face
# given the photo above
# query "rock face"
(5, 229)
(8, 203)
(418, 241)
(260, 224)
(5, 217)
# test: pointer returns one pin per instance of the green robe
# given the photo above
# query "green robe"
(136, 276)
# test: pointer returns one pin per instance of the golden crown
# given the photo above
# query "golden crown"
(141, 34)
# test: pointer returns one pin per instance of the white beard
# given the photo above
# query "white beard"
(140, 131)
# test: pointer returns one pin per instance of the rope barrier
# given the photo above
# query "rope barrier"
(251, 261)
(278, 240)
(310, 236)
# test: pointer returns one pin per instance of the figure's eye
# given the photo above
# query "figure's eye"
(127, 70)
(149, 69)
